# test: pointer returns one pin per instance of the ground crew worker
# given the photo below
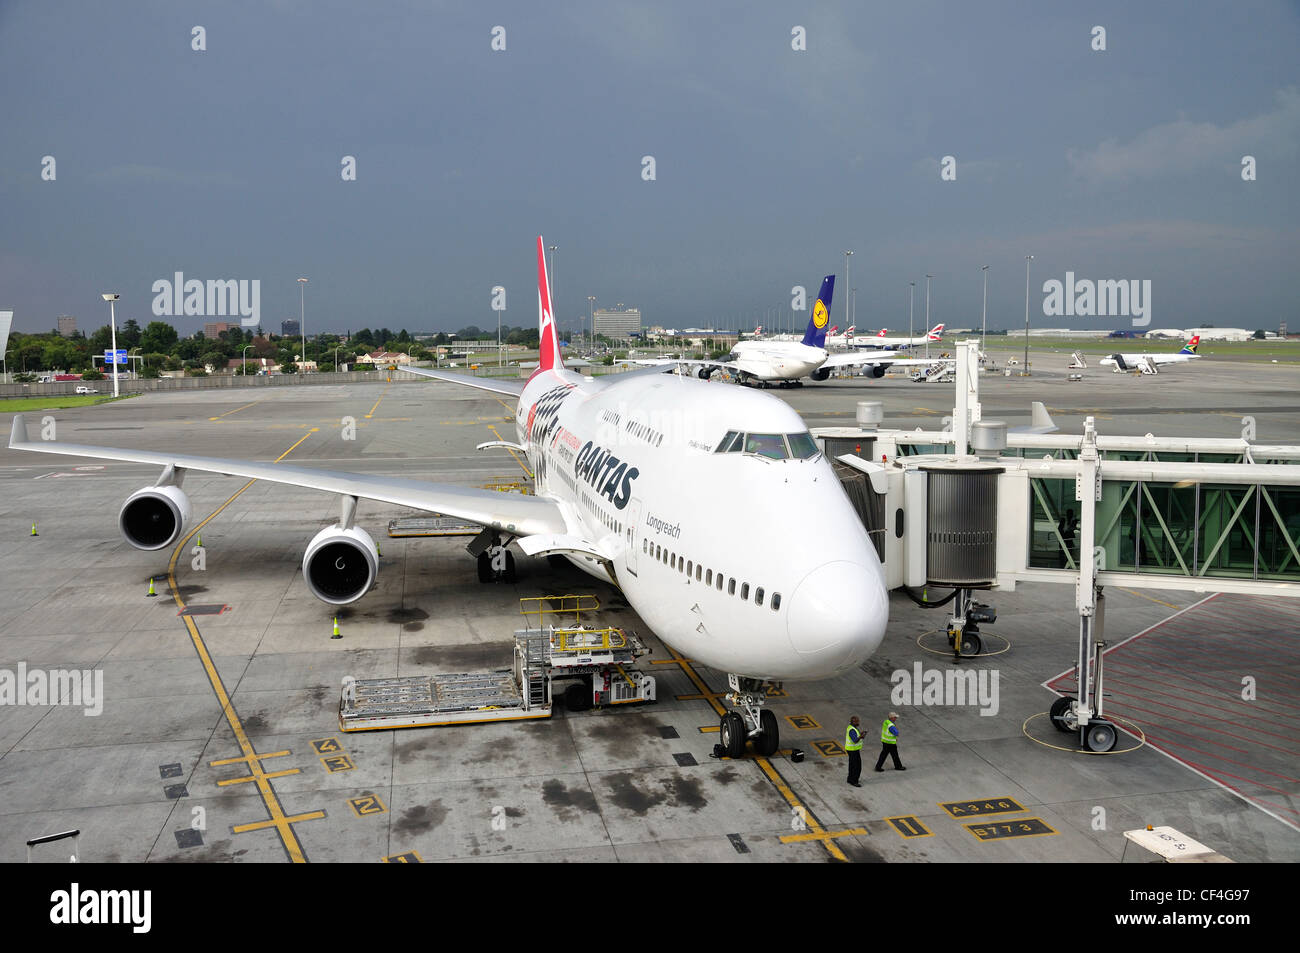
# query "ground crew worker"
(853, 745)
(889, 742)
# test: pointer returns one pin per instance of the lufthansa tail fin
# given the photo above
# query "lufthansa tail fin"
(548, 338)
(821, 314)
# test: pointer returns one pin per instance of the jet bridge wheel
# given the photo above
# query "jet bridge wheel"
(733, 734)
(770, 739)
(969, 642)
(1100, 736)
(1057, 711)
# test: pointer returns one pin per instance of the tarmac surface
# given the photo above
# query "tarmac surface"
(218, 738)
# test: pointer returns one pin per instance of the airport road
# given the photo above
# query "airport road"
(218, 738)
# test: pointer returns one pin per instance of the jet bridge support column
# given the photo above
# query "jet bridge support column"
(1095, 733)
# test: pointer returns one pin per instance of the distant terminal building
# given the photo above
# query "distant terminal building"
(617, 324)
(1219, 334)
(1175, 333)
(212, 330)
(67, 325)
(290, 328)
(1064, 332)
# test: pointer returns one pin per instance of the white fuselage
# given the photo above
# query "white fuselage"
(777, 360)
(633, 465)
(1134, 359)
(892, 343)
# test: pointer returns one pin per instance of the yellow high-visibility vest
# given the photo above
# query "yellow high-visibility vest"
(885, 736)
(848, 736)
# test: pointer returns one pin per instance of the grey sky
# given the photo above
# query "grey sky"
(769, 162)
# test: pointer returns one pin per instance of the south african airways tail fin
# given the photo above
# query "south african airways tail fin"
(821, 314)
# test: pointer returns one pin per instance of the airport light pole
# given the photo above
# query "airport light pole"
(336, 358)
(112, 323)
(1024, 370)
(243, 362)
(302, 318)
(847, 255)
(591, 319)
(927, 317)
(550, 274)
(911, 295)
(984, 316)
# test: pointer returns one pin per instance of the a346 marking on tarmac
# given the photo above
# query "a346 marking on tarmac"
(988, 805)
(802, 722)
(406, 857)
(829, 749)
(1004, 830)
(327, 745)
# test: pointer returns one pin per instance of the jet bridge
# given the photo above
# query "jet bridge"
(976, 506)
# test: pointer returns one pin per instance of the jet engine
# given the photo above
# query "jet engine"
(877, 370)
(154, 516)
(340, 565)
(820, 374)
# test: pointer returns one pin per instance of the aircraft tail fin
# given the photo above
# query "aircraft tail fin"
(1191, 346)
(936, 333)
(548, 338)
(815, 335)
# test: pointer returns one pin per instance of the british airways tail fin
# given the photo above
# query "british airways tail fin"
(821, 314)
(548, 339)
(1191, 346)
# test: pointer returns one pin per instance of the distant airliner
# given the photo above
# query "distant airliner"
(787, 362)
(1147, 363)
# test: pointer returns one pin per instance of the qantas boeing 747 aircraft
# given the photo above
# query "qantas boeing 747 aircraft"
(710, 507)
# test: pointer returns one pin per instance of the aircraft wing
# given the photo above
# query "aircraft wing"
(497, 385)
(515, 513)
(880, 357)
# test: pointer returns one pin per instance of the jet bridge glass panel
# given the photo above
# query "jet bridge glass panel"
(1234, 531)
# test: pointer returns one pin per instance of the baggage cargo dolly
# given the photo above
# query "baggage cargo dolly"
(594, 661)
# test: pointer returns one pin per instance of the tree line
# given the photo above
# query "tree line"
(157, 347)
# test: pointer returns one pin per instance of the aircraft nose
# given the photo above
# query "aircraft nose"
(839, 611)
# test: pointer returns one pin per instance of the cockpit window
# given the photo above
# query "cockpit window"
(802, 446)
(770, 445)
(732, 442)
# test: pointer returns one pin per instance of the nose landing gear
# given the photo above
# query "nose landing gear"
(751, 721)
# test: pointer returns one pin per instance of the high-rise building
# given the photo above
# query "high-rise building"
(67, 325)
(212, 330)
(290, 328)
(617, 324)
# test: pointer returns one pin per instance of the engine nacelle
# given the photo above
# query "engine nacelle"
(877, 370)
(340, 565)
(820, 374)
(154, 517)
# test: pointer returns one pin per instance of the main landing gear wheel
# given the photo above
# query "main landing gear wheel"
(498, 567)
(1100, 736)
(770, 739)
(733, 734)
(1057, 713)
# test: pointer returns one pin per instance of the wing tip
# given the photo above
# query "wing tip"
(18, 433)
